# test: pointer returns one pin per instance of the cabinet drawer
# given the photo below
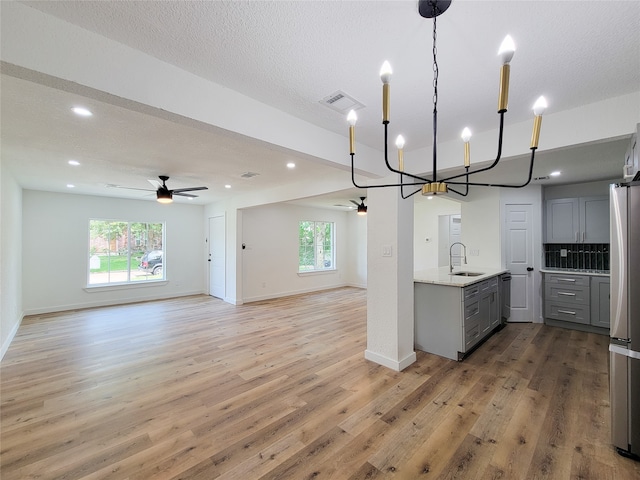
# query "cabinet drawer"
(471, 337)
(573, 294)
(563, 279)
(567, 312)
(471, 291)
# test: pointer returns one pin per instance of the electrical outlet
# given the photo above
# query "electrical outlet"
(563, 252)
(474, 252)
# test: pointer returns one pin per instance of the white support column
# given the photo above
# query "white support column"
(389, 279)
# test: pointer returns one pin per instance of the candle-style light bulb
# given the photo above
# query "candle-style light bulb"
(385, 72)
(540, 106)
(400, 146)
(538, 109)
(466, 136)
(352, 118)
(385, 76)
(506, 50)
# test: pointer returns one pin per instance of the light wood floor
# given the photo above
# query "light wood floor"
(194, 388)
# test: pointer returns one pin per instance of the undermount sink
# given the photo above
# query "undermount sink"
(467, 274)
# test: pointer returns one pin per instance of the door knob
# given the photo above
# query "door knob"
(529, 269)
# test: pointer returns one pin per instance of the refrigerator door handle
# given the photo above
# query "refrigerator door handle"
(618, 254)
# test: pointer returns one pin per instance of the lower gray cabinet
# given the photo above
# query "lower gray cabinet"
(577, 301)
(451, 320)
(600, 301)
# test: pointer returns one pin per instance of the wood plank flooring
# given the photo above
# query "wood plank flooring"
(194, 388)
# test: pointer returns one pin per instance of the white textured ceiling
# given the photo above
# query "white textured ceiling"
(290, 54)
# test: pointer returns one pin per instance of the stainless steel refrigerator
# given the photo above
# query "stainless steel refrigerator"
(624, 346)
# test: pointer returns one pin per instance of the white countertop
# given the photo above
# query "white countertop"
(595, 273)
(441, 276)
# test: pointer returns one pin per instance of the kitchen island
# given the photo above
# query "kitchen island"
(454, 312)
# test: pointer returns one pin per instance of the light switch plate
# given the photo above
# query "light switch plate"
(386, 250)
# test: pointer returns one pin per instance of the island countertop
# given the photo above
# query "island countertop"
(441, 275)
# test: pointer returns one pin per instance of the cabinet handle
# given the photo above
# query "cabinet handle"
(573, 280)
(567, 294)
(577, 237)
(568, 312)
(584, 237)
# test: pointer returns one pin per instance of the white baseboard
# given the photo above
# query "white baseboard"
(107, 303)
(397, 365)
(259, 298)
(12, 334)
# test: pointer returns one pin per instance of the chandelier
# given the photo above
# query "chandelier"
(458, 183)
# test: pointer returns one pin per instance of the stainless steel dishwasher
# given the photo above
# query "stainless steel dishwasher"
(505, 293)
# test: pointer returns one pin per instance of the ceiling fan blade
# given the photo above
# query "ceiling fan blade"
(111, 185)
(355, 203)
(190, 189)
(156, 184)
(185, 194)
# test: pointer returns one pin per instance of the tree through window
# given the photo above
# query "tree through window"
(125, 252)
(316, 246)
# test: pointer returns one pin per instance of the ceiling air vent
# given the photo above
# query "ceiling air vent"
(341, 102)
(249, 174)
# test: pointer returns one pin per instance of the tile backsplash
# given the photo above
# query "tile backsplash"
(577, 256)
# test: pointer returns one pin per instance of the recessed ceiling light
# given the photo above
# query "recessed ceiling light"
(555, 174)
(291, 165)
(75, 163)
(83, 112)
(227, 186)
(429, 198)
(70, 185)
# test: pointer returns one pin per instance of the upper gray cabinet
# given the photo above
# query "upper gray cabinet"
(578, 220)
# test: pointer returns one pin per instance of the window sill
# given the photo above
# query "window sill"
(124, 286)
(317, 272)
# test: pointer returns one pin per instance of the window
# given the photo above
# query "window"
(125, 252)
(316, 246)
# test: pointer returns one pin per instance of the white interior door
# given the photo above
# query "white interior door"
(217, 256)
(519, 260)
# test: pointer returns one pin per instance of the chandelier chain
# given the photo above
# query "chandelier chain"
(435, 68)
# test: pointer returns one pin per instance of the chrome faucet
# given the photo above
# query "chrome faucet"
(459, 256)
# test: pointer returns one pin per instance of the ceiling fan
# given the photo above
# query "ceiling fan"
(163, 194)
(362, 208)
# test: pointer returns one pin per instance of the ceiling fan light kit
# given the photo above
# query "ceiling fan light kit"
(435, 185)
(362, 208)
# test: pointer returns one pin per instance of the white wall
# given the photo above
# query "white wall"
(481, 227)
(357, 250)
(270, 259)
(426, 213)
(55, 250)
(11, 309)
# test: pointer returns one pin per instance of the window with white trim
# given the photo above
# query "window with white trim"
(316, 250)
(125, 252)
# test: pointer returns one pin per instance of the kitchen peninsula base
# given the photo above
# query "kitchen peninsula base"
(454, 314)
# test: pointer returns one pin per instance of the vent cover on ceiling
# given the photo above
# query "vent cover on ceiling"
(341, 102)
(249, 174)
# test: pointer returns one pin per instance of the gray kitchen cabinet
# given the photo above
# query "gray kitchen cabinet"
(600, 301)
(578, 220)
(450, 321)
(563, 220)
(577, 301)
(566, 298)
